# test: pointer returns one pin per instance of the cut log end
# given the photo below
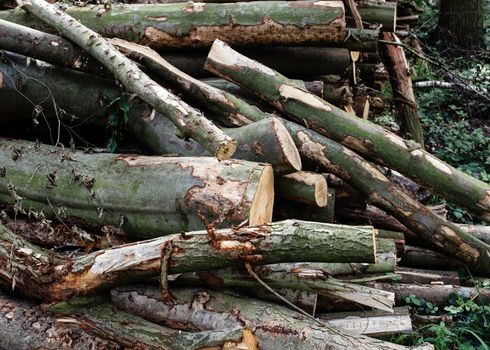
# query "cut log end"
(226, 150)
(290, 150)
(321, 191)
(263, 201)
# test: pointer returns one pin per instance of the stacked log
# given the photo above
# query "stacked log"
(252, 202)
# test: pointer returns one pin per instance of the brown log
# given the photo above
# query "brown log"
(398, 68)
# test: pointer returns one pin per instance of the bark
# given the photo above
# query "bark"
(363, 136)
(461, 23)
(274, 326)
(47, 47)
(419, 276)
(40, 274)
(285, 209)
(480, 232)
(46, 234)
(190, 121)
(145, 196)
(304, 279)
(424, 258)
(97, 317)
(264, 141)
(378, 12)
(267, 141)
(437, 294)
(398, 68)
(192, 26)
(305, 187)
(291, 61)
(336, 90)
(346, 196)
(25, 325)
(372, 323)
(38, 91)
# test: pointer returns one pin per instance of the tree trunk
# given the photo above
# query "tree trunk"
(423, 258)
(267, 141)
(25, 325)
(309, 280)
(378, 12)
(284, 209)
(302, 186)
(184, 25)
(398, 68)
(296, 62)
(40, 274)
(372, 323)
(461, 23)
(361, 135)
(437, 294)
(96, 316)
(145, 196)
(47, 47)
(264, 141)
(204, 310)
(188, 120)
(424, 276)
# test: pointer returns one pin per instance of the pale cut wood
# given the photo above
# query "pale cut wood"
(305, 187)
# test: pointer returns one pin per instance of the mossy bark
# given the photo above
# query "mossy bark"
(185, 25)
(191, 122)
(40, 274)
(145, 196)
(360, 135)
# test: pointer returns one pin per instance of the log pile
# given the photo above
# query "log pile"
(252, 203)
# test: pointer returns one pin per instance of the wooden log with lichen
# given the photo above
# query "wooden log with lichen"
(267, 141)
(360, 135)
(208, 309)
(185, 25)
(40, 274)
(304, 279)
(146, 196)
(190, 121)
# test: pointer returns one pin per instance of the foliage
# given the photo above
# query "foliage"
(464, 325)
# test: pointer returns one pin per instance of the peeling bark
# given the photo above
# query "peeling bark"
(145, 196)
(360, 135)
(42, 275)
(188, 120)
(273, 325)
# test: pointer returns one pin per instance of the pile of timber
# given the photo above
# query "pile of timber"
(252, 204)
